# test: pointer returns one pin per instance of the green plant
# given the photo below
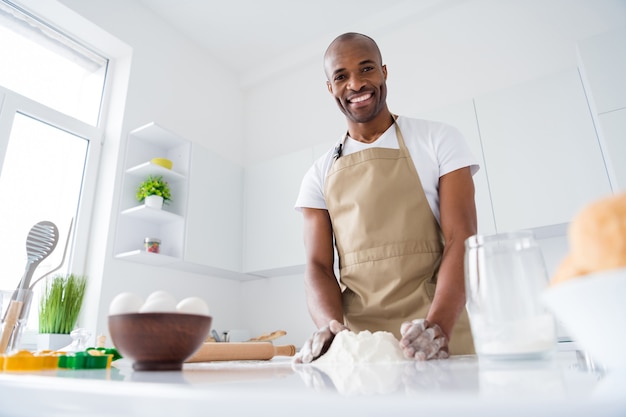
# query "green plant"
(154, 185)
(60, 303)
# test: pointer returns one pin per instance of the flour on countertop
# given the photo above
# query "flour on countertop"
(363, 347)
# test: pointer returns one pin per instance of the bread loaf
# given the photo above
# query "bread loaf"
(597, 239)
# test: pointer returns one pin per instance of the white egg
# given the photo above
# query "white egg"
(159, 305)
(193, 305)
(159, 302)
(158, 295)
(124, 303)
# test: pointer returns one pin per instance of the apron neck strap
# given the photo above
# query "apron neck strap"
(339, 148)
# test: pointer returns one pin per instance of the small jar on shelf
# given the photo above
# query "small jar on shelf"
(152, 245)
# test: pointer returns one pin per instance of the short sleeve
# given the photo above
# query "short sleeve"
(311, 194)
(453, 151)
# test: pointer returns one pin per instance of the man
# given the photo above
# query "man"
(389, 195)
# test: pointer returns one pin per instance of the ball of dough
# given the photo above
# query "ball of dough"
(566, 270)
(598, 235)
(597, 239)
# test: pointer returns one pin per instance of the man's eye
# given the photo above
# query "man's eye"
(366, 69)
(339, 77)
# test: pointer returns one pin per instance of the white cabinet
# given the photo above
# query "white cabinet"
(136, 221)
(463, 117)
(602, 61)
(215, 211)
(613, 131)
(273, 242)
(542, 155)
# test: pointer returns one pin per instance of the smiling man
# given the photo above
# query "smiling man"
(395, 196)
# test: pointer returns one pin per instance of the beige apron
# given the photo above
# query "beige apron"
(388, 240)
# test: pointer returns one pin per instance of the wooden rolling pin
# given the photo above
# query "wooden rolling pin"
(226, 351)
(268, 336)
(13, 312)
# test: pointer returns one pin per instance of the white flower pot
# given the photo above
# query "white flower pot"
(154, 201)
(52, 341)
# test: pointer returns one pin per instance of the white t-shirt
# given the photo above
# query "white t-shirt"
(436, 149)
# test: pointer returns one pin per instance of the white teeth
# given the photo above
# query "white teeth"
(360, 98)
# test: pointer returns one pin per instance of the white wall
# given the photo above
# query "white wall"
(277, 303)
(172, 80)
(185, 90)
(445, 57)
(433, 61)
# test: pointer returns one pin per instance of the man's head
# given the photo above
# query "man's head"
(356, 76)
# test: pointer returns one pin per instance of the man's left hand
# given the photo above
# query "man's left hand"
(423, 340)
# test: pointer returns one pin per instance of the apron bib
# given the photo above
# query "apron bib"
(388, 240)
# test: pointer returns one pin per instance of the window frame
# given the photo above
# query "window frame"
(93, 235)
(13, 103)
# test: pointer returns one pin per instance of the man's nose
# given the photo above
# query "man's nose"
(355, 83)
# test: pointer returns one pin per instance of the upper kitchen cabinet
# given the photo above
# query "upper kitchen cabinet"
(213, 235)
(463, 117)
(273, 228)
(602, 60)
(136, 221)
(612, 126)
(542, 155)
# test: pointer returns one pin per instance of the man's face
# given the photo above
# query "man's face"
(356, 78)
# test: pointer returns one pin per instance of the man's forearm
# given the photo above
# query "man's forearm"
(449, 299)
(323, 298)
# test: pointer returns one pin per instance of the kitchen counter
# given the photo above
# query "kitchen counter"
(460, 386)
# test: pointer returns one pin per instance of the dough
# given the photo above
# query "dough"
(566, 271)
(363, 347)
(597, 238)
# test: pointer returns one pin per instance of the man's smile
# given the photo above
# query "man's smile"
(359, 98)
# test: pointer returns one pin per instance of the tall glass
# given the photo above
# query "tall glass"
(505, 275)
(13, 327)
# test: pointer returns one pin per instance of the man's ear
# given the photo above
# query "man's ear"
(330, 87)
(385, 71)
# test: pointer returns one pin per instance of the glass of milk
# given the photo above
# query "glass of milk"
(505, 275)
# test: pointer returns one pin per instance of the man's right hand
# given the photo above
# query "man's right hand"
(319, 342)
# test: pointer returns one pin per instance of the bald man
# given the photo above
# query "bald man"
(395, 196)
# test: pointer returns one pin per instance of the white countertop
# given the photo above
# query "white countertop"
(460, 386)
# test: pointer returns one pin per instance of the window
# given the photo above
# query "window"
(51, 90)
(44, 65)
(41, 180)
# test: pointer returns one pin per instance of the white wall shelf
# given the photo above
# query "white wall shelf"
(148, 258)
(148, 168)
(201, 228)
(136, 221)
(144, 212)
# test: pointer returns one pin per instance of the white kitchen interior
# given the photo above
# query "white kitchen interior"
(536, 86)
(507, 73)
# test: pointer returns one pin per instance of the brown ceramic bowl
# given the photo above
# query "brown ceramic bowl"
(158, 341)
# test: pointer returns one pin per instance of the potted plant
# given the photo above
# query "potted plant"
(154, 191)
(59, 307)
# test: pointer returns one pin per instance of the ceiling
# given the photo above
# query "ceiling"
(256, 37)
